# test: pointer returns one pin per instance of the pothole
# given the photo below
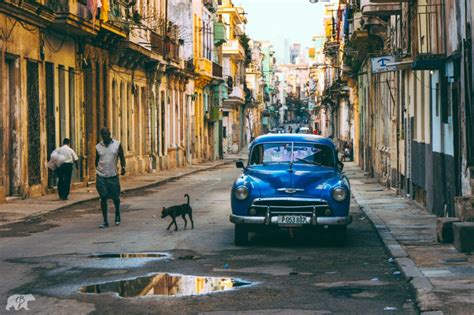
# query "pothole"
(132, 255)
(164, 284)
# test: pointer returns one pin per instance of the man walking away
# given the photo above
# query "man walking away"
(107, 182)
(64, 172)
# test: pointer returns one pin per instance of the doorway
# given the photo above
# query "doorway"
(13, 159)
(50, 119)
(34, 119)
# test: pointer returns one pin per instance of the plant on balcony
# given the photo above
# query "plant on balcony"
(244, 41)
(54, 5)
(137, 17)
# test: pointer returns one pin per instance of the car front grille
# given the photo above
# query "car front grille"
(278, 206)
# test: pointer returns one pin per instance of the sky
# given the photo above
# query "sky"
(275, 20)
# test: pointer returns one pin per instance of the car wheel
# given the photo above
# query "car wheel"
(339, 235)
(241, 235)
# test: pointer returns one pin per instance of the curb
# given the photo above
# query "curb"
(411, 273)
(124, 191)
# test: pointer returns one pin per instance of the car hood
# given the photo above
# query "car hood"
(297, 181)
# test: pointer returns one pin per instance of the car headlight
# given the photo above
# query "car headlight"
(241, 192)
(339, 194)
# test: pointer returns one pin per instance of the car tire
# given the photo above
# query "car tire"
(241, 235)
(339, 235)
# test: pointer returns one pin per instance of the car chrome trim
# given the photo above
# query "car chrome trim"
(291, 199)
(289, 207)
(237, 219)
(290, 190)
(335, 220)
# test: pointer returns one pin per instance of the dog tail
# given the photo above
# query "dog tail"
(187, 196)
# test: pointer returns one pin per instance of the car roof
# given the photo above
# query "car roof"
(293, 137)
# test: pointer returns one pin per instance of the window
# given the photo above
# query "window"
(297, 153)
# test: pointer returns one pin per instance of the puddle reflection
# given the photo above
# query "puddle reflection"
(132, 255)
(166, 285)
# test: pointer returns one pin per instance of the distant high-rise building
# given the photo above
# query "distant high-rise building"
(295, 52)
(286, 50)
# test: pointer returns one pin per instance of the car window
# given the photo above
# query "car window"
(300, 153)
(271, 153)
(308, 153)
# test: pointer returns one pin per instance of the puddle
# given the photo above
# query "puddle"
(132, 255)
(165, 284)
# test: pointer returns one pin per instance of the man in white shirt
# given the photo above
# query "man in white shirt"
(64, 172)
(108, 152)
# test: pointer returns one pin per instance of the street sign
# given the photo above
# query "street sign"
(380, 64)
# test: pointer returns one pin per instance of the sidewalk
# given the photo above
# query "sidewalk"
(443, 278)
(19, 210)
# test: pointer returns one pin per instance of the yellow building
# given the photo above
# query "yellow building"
(234, 74)
(207, 122)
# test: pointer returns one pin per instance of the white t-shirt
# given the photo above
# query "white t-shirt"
(69, 155)
(107, 166)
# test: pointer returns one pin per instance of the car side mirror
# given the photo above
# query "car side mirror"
(340, 166)
(240, 164)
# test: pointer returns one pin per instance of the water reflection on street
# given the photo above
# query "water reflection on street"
(166, 285)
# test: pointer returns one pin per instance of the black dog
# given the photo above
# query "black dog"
(179, 210)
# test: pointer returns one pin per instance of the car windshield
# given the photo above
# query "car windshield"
(298, 153)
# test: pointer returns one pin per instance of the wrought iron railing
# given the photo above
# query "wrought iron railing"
(216, 70)
(157, 43)
(431, 30)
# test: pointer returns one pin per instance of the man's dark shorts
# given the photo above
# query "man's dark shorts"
(108, 187)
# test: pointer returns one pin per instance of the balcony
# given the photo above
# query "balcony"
(204, 67)
(210, 5)
(73, 17)
(216, 70)
(157, 43)
(376, 8)
(430, 48)
(234, 48)
(172, 50)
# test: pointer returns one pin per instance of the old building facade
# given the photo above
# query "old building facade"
(68, 70)
(404, 71)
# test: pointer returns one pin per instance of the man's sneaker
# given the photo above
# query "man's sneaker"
(104, 225)
(117, 222)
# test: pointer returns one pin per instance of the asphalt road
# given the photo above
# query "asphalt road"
(53, 258)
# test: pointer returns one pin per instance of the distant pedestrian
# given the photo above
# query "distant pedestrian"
(64, 171)
(107, 181)
(290, 130)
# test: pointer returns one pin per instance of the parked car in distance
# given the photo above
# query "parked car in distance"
(277, 130)
(291, 181)
(304, 130)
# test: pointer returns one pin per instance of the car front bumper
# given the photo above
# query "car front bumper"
(237, 219)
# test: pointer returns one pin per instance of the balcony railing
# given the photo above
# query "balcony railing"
(429, 50)
(431, 27)
(172, 50)
(70, 7)
(157, 43)
(210, 5)
(216, 70)
(373, 8)
(233, 47)
(204, 66)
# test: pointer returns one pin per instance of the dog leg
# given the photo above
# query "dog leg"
(191, 218)
(169, 226)
(175, 224)
(185, 222)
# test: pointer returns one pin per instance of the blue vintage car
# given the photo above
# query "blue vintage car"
(291, 180)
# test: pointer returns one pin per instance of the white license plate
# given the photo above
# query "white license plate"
(293, 219)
